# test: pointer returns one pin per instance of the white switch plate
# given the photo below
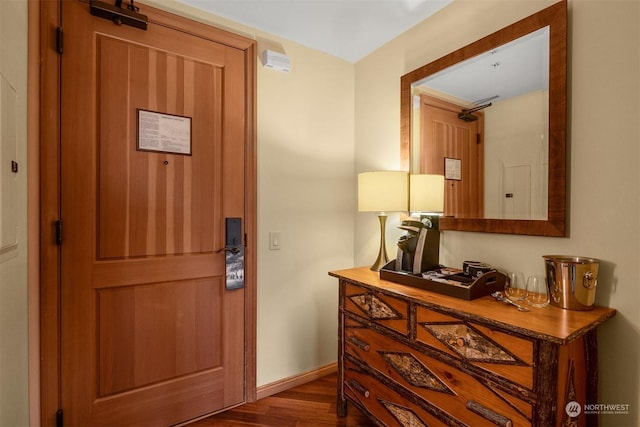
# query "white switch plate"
(274, 240)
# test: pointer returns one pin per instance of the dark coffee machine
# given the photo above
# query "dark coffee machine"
(419, 248)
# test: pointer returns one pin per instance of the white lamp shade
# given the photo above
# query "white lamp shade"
(383, 191)
(426, 193)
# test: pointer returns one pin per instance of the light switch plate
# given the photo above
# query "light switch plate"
(274, 240)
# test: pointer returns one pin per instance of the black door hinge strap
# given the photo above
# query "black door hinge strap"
(59, 40)
(59, 232)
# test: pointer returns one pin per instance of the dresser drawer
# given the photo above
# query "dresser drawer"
(385, 310)
(492, 350)
(383, 403)
(459, 395)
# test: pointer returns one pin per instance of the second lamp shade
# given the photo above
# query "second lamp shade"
(426, 193)
(383, 191)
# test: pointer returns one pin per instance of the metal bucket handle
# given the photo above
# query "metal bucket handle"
(589, 280)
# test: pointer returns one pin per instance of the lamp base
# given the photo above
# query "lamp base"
(382, 259)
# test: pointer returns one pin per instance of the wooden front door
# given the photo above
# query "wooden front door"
(444, 135)
(153, 134)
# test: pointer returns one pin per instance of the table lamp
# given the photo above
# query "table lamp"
(426, 193)
(382, 192)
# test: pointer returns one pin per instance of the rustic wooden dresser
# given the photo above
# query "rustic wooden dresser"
(409, 357)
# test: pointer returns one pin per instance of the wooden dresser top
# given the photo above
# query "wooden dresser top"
(550, 323)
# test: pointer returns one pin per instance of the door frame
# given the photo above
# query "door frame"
(44, 19)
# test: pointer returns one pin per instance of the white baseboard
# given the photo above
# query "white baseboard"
(287, 383)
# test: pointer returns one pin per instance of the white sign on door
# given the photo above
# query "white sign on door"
(164, 133)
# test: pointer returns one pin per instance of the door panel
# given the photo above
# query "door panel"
(157, 332)
(443, 134)
(150, 203)
(149, 334)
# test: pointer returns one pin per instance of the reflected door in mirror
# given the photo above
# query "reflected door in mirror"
(444, 136)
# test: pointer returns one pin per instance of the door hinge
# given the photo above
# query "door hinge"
(59, 232)
(59, 40)
(59, 418)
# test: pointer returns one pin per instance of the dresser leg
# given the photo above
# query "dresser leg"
(342, 406)
(341, 401)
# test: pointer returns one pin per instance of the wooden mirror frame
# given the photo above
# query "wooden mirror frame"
(555, 17)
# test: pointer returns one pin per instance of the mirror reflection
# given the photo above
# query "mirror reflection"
(483, 123)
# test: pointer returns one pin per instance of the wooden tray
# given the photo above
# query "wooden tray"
(455, 283)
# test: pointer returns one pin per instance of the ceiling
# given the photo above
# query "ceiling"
(516, 68)
(352, 29)
(348, 29)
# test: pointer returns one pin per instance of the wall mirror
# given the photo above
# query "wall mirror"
(511, 178)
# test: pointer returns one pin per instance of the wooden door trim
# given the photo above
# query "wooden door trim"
(49, 195)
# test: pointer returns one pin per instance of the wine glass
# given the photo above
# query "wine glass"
(537, 294)
(515, 287)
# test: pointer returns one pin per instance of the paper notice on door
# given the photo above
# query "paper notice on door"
(453, 168)
(164, 133)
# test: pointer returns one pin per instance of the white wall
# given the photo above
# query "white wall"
(14, 400)
(604, 143)
(306, 192)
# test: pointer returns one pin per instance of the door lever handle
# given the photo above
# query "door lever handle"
(234, 254)
(234, 250)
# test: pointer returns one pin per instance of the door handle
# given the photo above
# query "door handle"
(233, 253)
(234, 250)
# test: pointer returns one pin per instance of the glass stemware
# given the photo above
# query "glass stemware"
(537, 292)
(515, 287)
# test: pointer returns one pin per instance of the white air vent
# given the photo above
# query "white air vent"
(277, 61)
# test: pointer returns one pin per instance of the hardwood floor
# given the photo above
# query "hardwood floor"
(311, 404)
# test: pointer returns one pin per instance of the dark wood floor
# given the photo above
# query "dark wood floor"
(312, 404)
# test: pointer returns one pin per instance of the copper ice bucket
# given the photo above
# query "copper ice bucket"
(571, 281)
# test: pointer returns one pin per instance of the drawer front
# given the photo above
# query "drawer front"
(385, 310)
(458, 395)
(382, 403)
(492, 350)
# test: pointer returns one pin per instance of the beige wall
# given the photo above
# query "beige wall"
(14, 409)
(604, 135)
(305, 191)
(516, 135)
